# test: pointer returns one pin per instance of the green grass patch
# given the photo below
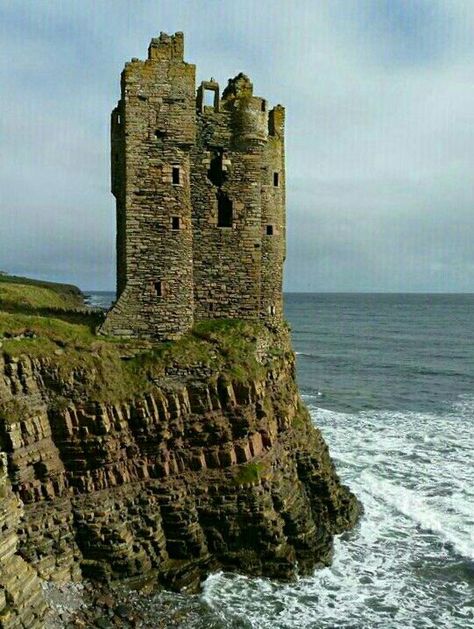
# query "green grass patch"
(43, 322)
(250, 474)
(67, 290)
(23, 297)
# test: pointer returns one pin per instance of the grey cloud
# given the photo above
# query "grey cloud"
(379, 146)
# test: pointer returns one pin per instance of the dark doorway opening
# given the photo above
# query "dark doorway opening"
(216, 174)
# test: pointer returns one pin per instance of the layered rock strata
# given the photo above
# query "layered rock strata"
(21, 598)
(206, 469)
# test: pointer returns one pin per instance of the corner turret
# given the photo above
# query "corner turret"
(249, 113)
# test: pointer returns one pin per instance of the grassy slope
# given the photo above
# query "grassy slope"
(45, 321)
(21, 292)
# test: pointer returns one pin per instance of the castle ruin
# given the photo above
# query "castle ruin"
(199, 182)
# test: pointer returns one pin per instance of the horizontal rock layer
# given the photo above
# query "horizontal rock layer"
(203, 471)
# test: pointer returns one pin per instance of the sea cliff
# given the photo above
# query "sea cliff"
(129, 460)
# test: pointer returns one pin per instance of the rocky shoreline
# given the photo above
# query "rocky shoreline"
(87, 604)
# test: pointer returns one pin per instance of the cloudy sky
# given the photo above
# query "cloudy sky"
(380, 130)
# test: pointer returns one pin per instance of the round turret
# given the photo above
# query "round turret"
(249, 113)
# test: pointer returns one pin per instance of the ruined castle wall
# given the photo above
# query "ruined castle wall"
(155, 255)
(273, 217)
(226, 258)
(200, 215)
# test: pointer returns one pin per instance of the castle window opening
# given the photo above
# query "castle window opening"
(224, 210)
(119, 120)
(209, 96)
(175, 222)
(176, 175)
(269, 230)
(158, 288)
(215, 173)
(271, 310)
(264, 105)
(276, 179)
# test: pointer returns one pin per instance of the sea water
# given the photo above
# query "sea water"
(389, 379)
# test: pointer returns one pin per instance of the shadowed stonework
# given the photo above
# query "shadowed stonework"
(200, 193)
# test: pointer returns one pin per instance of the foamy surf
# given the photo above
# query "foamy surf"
(396, 569)
(408, 503)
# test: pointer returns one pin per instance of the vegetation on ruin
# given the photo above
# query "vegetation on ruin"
(49, 322)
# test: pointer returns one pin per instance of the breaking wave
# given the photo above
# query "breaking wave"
(410, 562)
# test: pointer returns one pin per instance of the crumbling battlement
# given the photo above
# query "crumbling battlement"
(200, 194)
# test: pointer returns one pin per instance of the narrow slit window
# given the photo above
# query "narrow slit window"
(175, 222)
(263, 105)
(224, 210)
(159, 288)
(269, 230)
(175, 175)
(276, 179)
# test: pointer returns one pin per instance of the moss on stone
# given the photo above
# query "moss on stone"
(12, 411)
(112, 369)
(250, 474)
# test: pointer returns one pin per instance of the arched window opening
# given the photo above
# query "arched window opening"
(224, 210)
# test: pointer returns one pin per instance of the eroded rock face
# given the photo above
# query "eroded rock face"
(203, 472)
(21, 597)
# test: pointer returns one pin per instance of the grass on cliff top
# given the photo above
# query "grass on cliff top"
(21, 293)
(44, 322)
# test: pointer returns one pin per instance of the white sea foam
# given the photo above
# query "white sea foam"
(409, 563)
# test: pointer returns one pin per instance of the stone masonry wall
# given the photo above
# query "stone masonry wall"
(152, 133)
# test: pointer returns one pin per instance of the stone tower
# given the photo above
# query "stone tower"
(199, 182)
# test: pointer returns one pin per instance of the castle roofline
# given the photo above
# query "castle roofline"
(238, 87)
